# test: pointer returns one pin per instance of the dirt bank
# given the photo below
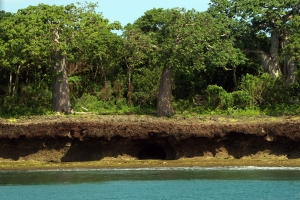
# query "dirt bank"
(96, 138)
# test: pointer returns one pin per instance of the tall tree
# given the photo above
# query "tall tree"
(94, 46)
(45, 36)
(135, 51)
(186, 39)
(293, 43)
(46, 31)
(13, 58)
(264, 23)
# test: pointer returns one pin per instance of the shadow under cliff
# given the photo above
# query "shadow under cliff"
(64, 149)
(97, 149)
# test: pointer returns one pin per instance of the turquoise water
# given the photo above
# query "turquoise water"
(159, 183)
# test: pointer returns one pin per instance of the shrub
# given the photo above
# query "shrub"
(254, 86)
(145, 84)
(242, 99)
(181, 105)
(266, 90)
(217, 97)
(277, 92)
(32, 99)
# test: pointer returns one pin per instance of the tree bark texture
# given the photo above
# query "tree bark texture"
(10, 83)
(164, 101)
(289, 64)
(275, 68)
(16, 85)
(60, 86)
(129, 93)
(271, 63)
(289, 68)
(235, 83)
(268, 63)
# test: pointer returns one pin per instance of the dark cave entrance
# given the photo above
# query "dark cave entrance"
(152, 151)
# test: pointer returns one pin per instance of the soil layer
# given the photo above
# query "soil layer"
(147, 141)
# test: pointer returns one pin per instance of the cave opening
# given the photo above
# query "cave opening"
(152, 151)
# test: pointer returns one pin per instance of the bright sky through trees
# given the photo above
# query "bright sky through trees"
(124, 11)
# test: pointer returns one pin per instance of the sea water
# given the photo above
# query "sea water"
(152, 183)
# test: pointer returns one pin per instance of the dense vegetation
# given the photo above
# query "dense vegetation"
(237, 57)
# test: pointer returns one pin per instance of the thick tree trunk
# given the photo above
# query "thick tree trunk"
(268, 63)
(16, 85)
(60, 86)
(164, 101)
(129, 93)
(290, 64)
(102, 70)
(274, 69)
(235, 83)
(10, 83)
(290, 67)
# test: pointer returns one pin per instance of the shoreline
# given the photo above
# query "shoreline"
(134, 164)
(147, 142)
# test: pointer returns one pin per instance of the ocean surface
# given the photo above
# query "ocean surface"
(152, 183)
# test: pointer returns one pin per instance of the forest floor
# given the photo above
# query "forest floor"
(151, 118)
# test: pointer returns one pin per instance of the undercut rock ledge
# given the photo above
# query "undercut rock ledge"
(91, 138)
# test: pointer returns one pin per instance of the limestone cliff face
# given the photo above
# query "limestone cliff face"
(83, 139)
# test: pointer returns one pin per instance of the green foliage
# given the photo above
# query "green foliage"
(242, 99)
(107, 72)
(255, 86)
(181, 105)
(119, 89)
(268, 94)
(294, 39)
(106, 92)
(269, 29)
(178, 41)
(89, 103)
(277, 92)
(266, 90)
(33, 99)
(218, 98)
(282, 109)
(145, 82)
(75, 80)
(95, 105)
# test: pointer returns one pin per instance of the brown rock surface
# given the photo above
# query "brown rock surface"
(88, 138)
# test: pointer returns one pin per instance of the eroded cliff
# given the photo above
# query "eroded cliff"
(65, 139)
